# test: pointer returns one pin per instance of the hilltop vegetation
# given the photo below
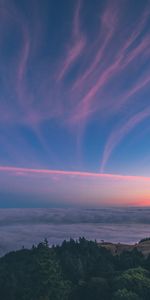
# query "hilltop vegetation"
(76, 270)
(144, 240)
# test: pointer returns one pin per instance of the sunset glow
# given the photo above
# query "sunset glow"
(76, 188)
(74, 103)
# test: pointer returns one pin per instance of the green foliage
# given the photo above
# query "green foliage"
(136, 281)
(81, 260)
(76, 270)
(124, 294)
(130, 259)
(33, 274)
(95, 288)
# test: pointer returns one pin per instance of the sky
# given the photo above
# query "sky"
(74, 103)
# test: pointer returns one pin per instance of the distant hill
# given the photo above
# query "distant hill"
(117, 248)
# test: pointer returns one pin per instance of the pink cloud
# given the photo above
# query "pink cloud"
(108, 26)
(118, 134)
(27, 171)
(108, 55)
(99, 78)
(73, 53)
(134, 90)
(78, 42)
(85, 97)
(76, 19)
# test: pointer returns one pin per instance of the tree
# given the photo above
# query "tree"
(136, 280)
(124, 294)
(34, 274)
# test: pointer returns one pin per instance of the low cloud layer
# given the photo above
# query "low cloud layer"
(25, 227)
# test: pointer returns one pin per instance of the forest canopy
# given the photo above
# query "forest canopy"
(76, 270)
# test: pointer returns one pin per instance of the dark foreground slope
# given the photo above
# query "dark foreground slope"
(74, 271)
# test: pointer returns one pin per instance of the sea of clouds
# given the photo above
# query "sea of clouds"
(25, 227)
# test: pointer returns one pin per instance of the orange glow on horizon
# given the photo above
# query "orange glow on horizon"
(76, 187)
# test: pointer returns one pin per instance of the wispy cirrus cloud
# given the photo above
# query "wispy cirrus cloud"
(85, 68)
(107, 24)
(122, 59)
(102, 65)
(118, 134)
(76, 45)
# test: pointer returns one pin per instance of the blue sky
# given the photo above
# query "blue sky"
(75, 99)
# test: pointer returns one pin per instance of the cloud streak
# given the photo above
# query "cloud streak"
(78, 42)
(63, 74)
(27, 171)
(117, 135)
(98, 66)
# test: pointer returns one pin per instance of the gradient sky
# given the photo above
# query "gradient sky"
(74, 102)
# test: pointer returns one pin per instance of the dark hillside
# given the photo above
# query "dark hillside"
(76, 270)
